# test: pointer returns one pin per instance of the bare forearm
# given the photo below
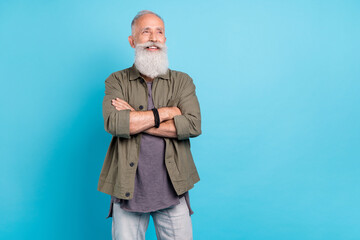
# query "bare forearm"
(144, 120)
(166, 129)
(140, 121)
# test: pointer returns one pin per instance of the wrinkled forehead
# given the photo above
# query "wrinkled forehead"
(149, 21)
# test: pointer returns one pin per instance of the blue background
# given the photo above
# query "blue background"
(278, 84)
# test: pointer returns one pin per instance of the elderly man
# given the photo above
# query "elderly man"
(151, 111)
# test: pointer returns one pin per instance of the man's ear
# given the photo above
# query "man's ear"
(131, 41)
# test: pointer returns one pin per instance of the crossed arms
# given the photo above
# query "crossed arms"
(181, 119)
(143, 121)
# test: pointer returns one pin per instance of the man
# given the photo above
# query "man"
(151, 111)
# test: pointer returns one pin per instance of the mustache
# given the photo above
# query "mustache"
(150, 44)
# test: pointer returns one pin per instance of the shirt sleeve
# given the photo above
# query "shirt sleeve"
(189, 123)
(115, 122)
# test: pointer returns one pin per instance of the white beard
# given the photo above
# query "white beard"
(151, 64)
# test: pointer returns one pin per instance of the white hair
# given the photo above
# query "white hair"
(138, 15)
(151, 64)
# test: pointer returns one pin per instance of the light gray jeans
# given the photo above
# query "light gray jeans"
(172, 223)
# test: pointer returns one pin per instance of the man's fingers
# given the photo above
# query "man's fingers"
(116, 103)
(120, 100)
(121, 103)
(124, 106)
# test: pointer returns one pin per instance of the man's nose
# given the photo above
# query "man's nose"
(153, 37)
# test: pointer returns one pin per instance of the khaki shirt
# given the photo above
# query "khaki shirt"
(173, 89)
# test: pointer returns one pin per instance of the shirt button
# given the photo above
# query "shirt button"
(127, 194)
(141, 107)
(132, 164)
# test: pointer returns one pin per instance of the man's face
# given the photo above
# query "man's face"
(148, 28)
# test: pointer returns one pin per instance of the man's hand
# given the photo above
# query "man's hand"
(168, 113)
(121, 104)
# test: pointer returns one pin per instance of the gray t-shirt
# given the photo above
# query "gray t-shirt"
(153, 189)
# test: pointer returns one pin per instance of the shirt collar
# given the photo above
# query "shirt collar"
(135, 74)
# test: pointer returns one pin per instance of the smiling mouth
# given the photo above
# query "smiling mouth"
(152, 48)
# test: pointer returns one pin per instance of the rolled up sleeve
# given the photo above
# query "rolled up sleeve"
(189, 123)
(115, 122)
